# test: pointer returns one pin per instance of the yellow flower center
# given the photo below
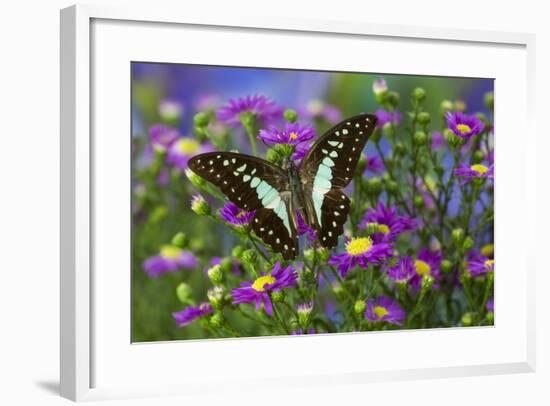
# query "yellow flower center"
(488, 250)
(489, 263)
(188, 146)
(358, 246)
(481, 169)
(240, 214)
(382, 228)
(170, 252)
(380, 311)
(293, 135)
(463, 128)
(259, 283)
(422, 268)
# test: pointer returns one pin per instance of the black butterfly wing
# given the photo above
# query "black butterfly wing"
(254, 184)
(328, 167)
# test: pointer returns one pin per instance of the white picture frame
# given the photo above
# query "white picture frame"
(79, 346)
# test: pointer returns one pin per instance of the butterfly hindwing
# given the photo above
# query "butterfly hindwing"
(254, 184)
(330, 165)
(334, 214)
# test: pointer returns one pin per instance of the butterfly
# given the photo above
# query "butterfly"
(275, 193)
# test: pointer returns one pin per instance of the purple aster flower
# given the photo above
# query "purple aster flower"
(162, 137)
(478, 264)
(183, 149)
(292, 134)
(300, 151)
(262, 107)
(257, 291)
(235, 216)
(384, 309)
(427, 263)
(191, 313)
(490, 305)
(170, 259)
(304, 228)
(384, 117)
(318, 109)
(374, 164)
(477, 171)
(403, 271)
(463, 125)
(389, 223)
(437, 140)
(360, 251)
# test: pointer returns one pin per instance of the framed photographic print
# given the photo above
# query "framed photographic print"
(221, 205)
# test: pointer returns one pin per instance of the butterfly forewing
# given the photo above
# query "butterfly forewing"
(253, 184)
(329, 166)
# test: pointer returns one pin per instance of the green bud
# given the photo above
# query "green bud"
(273, 156)
(195, 179)
(278, 296)
(399, 148)
(308, 254)
(418, 202)
(457, 236)
(371, 228)
(323, 254)
(423, 117)
(359, 307)
(419, 94)
(215, 274)
(284, 150)
(374, 185)
(217, 320)
(362, 163)
(490, 317)
(445, 106)
(249, 257)
(468, 243)
(201, 119)
(290, 115)
(216, 296)
(226, 264)
(420, 138)
(489, 99)
(304, 311)
(158, 214)
(427, 282)
(179, 240)
(200, 206)
(467, 319)
(392, 186)
(237, 251)
(393, 99)
(446, 266)
(185, 293)
(455, 141)
(478, 156)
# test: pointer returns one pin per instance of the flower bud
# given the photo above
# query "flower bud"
(217, 320)
(446, 266)
(215, 274)
(200, 206)
(420, 138)
(195, 179)
(284, 150)
(489, 100)
(393, 99)
(392, 186)
(278, 296)
(237, 251)
(179, 240)
(490, 317)
(249, 257)
(457, 236)
(158, 214)
(399, 148)
(478, 156)
(359, 307)
(468, 243)
(184, 293)
(201, 120)
(455, 141)
(308, 254)
(374, 185)
(226, 264)
(445, 106)
(371, 228)
(379, 86)
(427, 282)
(362, 163)
(423, 117)
(304, 311)
(418, 202)
(216, 296)
(170, 111)
(460, 105)
(467, 319)
(419, 94)
(323, 254)
(290, 115)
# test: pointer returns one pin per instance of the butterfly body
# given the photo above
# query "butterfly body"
(277, 193)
